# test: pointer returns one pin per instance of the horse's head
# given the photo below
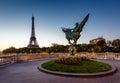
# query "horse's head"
(66, 30)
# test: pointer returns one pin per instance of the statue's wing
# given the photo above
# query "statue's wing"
(80, 27)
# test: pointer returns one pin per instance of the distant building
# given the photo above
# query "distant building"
(94, 41)
(109, 43)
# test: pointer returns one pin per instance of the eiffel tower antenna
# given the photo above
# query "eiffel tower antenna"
(33, 41)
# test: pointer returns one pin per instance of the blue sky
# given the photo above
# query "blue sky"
(51, 15)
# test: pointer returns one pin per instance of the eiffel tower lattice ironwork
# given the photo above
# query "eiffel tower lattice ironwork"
(33, 41)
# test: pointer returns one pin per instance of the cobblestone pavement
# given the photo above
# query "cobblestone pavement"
(28, 73)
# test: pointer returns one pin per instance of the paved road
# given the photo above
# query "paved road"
(28, 73)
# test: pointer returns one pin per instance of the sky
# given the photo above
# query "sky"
(51, 15)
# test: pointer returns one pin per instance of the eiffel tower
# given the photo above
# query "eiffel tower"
(33, 41)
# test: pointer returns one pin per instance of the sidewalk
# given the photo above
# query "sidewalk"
(28, 73)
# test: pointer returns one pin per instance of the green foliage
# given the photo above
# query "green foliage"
(21, 50)
(116, 43)
(56, 48)
(10, 50)
(86, 66)
(81, 47)
(101, 43)
(84, 58)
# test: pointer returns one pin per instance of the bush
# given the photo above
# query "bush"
(71, 60)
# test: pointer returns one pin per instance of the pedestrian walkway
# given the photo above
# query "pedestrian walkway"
(28, 73)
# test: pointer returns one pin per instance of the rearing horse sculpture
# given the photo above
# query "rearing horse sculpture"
(72, 35)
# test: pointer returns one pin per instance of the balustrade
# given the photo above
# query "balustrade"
(29, 57)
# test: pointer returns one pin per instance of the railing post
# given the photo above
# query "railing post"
(14, 58)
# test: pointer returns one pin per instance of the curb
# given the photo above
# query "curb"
(113, 70)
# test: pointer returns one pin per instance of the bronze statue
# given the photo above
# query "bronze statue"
(72, 35)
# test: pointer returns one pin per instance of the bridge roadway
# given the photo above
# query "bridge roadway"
(27, 72)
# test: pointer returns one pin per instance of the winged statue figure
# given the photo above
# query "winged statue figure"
(72, 35)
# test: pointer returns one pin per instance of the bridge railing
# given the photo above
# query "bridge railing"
(24, 57)
(107, 55)
(29, 57)
(6, 59)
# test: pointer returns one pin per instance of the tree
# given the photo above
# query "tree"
(101, 43)
(116, 43)
(101, 46)
(10, 50)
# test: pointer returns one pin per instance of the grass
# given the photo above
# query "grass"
(87, 66)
